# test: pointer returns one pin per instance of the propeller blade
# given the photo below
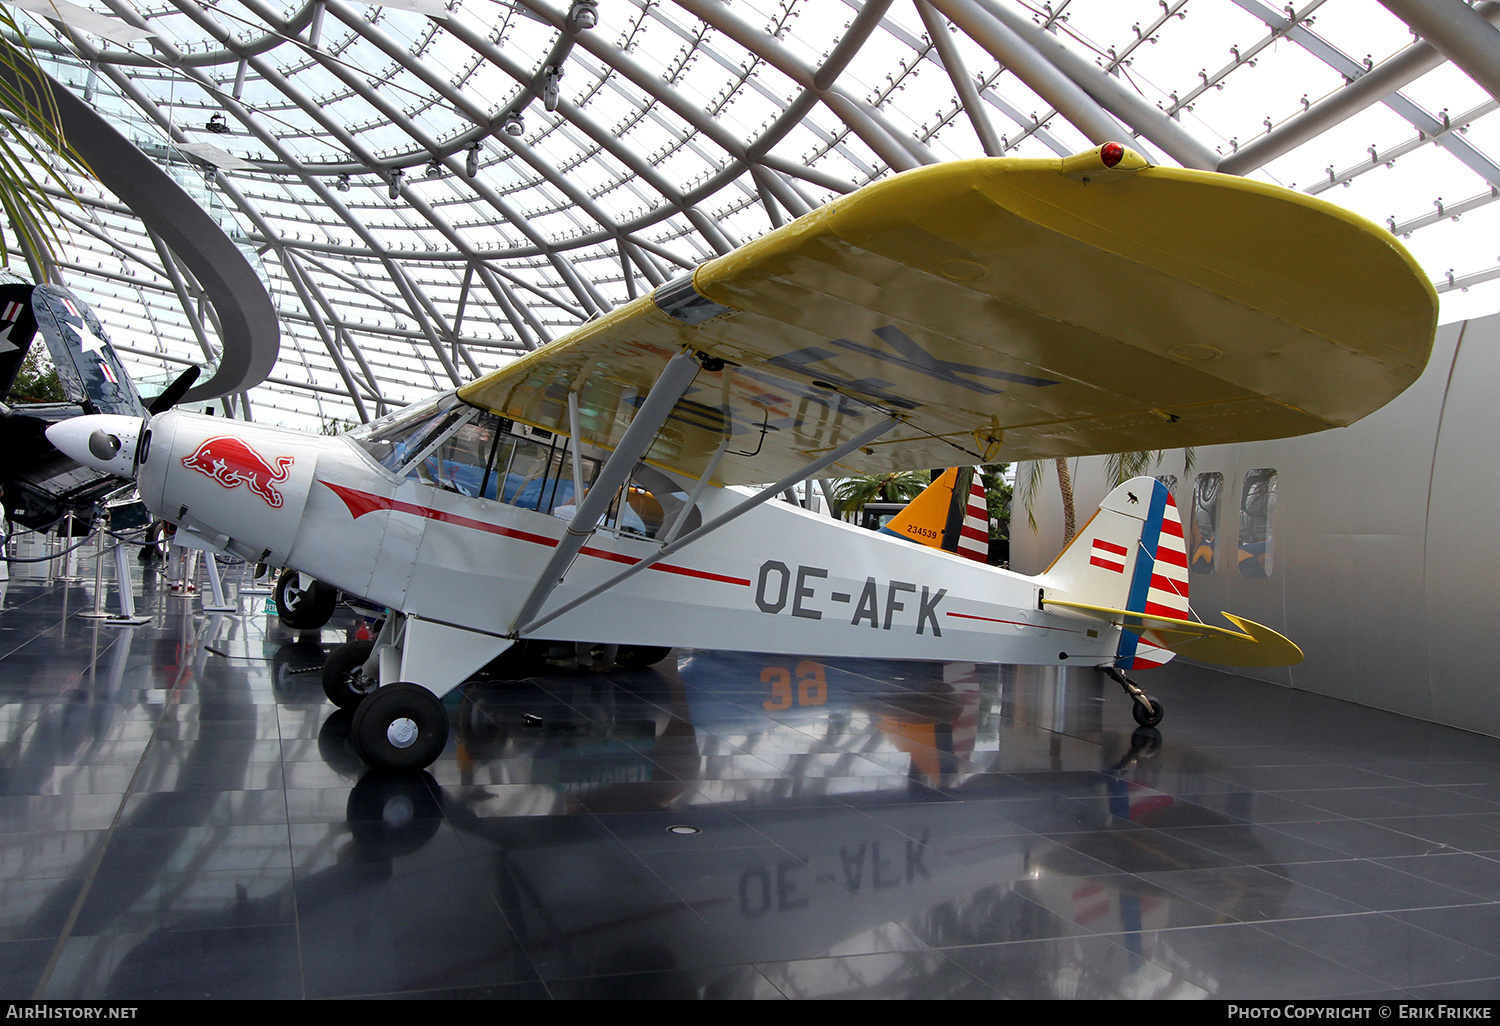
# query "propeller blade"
(174, 392)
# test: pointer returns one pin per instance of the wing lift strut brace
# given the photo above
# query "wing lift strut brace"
(650, 419)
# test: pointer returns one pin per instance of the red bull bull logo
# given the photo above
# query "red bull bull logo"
(231, 462)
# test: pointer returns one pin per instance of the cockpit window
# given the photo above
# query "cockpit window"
(651, 504)
(453, 446)
(394, 440)
(459, 461)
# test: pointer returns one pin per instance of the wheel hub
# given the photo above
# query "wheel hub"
(402, 733)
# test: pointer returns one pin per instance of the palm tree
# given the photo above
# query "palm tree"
(1030, 484)
(1122, 466)
(33, 138)
(1119, 467)
(894, 486)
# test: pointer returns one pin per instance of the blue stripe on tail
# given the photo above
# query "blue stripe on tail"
(1145, 565)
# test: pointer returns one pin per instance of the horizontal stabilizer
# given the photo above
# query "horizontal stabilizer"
(1252, 645)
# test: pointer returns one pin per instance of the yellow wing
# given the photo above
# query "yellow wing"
(1006, 309)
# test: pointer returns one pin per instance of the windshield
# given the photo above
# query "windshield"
(394, 440)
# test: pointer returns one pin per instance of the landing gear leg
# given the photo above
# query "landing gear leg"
(1146, 710)
(402, 725)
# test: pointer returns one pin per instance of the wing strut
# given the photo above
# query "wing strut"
(697, 493)
(864, 438)
(675, 379)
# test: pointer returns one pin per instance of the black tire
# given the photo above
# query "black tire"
(304, 609)
(400, 727)
(1144, 718)
(638, 656)
(343, 680)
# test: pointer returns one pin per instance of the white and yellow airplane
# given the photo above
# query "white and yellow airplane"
(971, 312)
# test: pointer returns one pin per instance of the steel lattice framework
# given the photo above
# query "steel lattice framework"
(429, 189)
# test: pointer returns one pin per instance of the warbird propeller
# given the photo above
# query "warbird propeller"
(979, 311)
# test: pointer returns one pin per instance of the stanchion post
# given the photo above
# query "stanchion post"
(98, 613)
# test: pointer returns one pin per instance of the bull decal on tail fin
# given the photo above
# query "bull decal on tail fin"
(231, 462)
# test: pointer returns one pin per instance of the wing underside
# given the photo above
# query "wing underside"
(1004, 310)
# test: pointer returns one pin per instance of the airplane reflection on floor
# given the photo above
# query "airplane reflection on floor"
(182, 816)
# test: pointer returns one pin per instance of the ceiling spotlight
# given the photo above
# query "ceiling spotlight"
(395, 190)
(513, 125)
(583, 15)
(471, 162)
(434, 170)
(217, 124)
(342, 183)
(551, 86)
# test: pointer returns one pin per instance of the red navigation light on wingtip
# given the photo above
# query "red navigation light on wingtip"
(1111, 153)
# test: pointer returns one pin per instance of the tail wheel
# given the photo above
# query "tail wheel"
(1145, 717)
(344, 680)
(400, 727)
(304, 609)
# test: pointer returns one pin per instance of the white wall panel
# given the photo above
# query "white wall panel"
(1386, 569)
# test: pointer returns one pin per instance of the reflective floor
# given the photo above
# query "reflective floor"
(182, 817)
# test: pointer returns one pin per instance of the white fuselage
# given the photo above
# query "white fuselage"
(778, 579)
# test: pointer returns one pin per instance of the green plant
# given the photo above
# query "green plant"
(997, 495)
(895, 486)
(37, 380)
(31, 139)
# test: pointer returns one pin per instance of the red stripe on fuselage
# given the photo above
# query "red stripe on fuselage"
(360, 503)
(1016, 623)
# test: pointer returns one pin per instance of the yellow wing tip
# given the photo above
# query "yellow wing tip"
(1250, 645)
(1254, 645)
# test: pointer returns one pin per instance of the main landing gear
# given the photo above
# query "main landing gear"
(346, 680)
(402, 725)
(1146, 710)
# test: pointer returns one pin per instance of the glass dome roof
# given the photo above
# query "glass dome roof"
(429, 188)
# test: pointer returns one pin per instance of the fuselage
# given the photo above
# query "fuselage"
(777, 579)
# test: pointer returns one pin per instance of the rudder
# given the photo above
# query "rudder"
(1130, 555)
(925, 519)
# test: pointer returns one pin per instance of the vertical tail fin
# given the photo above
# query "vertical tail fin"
(974, 533)
(17, 328)
(925, 518)
(1130, 555)
(90, 372)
